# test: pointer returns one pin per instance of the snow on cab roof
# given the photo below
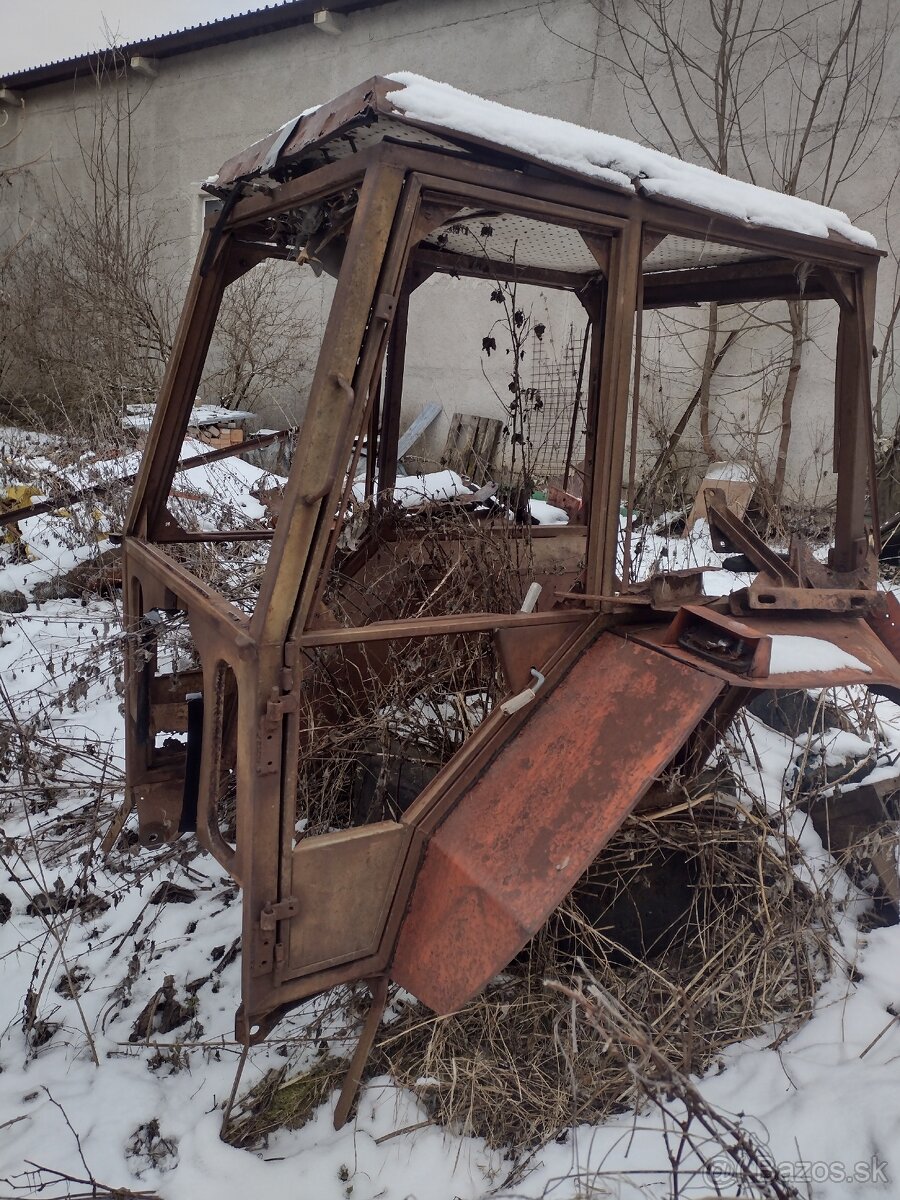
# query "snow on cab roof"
(615, 159)
(416, 109)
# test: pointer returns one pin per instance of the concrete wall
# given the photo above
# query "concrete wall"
(205, 105)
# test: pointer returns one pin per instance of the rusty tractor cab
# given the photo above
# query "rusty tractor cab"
(599, 686)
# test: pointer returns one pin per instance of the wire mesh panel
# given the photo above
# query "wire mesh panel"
(557, 403)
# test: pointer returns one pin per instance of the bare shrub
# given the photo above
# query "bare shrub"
(737, 945)
(378, 726)
(91, 293)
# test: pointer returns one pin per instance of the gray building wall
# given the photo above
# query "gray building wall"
(205, 105)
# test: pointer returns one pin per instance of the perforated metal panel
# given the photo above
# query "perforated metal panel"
(679, 253)
(521, 239)
(506, 238)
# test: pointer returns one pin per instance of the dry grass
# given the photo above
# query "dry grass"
(282, 1102)
(693, 918)
(381, 720)
(694, 922)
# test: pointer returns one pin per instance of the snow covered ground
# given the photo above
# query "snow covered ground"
(88, 944)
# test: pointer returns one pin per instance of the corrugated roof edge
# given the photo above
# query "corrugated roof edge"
(256, 21)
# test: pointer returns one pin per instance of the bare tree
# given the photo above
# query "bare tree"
(93, 293)
(790, 97)
(261, 339)
(90, 283)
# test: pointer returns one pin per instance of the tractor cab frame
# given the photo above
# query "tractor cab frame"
(606, 682)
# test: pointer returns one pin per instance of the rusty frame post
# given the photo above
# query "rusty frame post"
(335, 415)
(149, 497)
(612, 401)
(371, 357)
(594, 301)
(393, 391)
(317, 471)
(852, 432)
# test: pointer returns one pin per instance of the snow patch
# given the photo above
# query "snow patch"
(791, 652)
(547, 514)
(412, 490)
(732, 471)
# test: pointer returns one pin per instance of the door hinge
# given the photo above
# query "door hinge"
(280, 910)
(281, 703)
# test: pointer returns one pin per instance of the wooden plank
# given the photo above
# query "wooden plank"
(738, 491)
(471, 446)
(426, 417)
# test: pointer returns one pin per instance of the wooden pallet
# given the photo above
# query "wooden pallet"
(472, 444)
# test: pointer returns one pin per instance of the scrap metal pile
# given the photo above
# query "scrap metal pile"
(568, 707)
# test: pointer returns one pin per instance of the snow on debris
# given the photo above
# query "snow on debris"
(139, 417)
(791, 653)
(412, 490)
(824, 1100)
(229, 480)
(547, 514)
(732, 472)
(615, 159)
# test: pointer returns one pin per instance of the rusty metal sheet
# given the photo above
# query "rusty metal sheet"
(885, 621)
(352, 108)
(851, 819)
(854, 635)
(520, 650)
(343, 883)
(519, 839)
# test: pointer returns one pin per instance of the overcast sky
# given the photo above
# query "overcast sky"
(33, 32)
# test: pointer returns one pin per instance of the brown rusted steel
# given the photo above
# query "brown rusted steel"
(730, 533)
(521, 649)
(797, 583)
(604, 685)
(885, 620)
(851, 820)
(361, 1053)
(847, 633)
(381, 631)
(608, 465)
(531, 825)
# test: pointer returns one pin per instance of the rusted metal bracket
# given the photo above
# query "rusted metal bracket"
(281, 910)
(279, 706)
(268, 954)
(385, 307)
(721, 640)
(665, 591)
(214, 244)
(730, 533)
(798, 585)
